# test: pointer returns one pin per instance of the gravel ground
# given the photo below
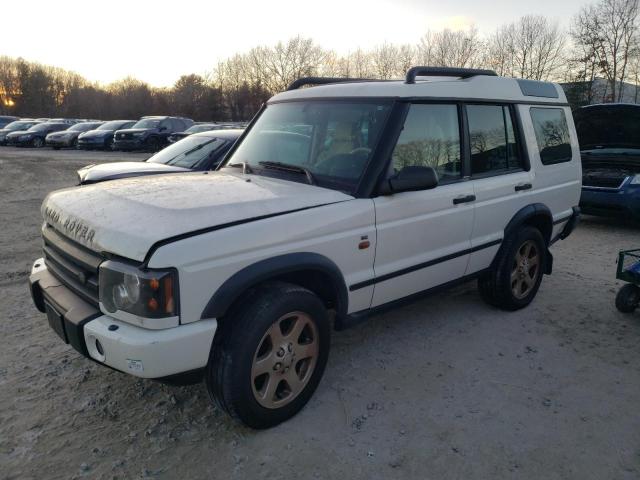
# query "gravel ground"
(444, 388)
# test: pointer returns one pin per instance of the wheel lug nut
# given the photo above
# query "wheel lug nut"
(290, 347)
(277, 366)
(281, 352)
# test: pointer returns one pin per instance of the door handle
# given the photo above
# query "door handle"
(522, 186)
(464, 199)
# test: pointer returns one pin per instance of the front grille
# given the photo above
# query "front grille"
(74, 265)
(614, 182)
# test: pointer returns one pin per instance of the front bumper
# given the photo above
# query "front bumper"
(129, 144)
(623, 202)
(15, 142)
(141, 352)
(97, 142)
(58, 142)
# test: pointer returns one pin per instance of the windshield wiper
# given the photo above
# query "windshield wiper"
(245, 166)
(287, 167)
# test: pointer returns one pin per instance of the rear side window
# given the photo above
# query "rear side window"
(492, 140)
(552, 135)
(430, 138)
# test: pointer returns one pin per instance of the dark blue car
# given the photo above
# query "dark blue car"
(609, 136)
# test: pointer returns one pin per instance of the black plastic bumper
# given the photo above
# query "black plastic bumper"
(571, 224)
(67, 313)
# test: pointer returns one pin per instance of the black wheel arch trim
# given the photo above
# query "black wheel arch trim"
(521, 217)
(273, 267)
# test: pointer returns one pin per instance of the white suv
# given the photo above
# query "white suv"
(338, 201)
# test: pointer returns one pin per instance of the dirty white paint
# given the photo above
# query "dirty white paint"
(128, 216)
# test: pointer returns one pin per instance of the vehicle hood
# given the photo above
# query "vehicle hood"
(135, 130)
(63, 134)
(115, 170)
(128, 216)
(96, 133)
(17, 133)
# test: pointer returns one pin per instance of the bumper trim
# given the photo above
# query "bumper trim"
(76, 313)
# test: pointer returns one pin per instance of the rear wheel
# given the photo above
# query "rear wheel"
(269, 355)
(515, 277)
(628, 298)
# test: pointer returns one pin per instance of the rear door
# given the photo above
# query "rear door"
(423, 237)
(502, 179)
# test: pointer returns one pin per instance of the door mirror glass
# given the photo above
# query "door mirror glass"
(410, 179)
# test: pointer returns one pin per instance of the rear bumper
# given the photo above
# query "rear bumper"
(620, 203)
(138, 351)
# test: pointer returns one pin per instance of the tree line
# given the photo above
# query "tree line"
(601, 42)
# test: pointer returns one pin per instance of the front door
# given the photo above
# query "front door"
(424, 237)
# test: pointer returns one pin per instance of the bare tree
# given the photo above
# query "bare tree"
(449, 48)
(608, 33)
(528, 48)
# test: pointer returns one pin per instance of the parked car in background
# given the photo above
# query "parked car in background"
(69, 137)
(35, 136)
(150, 133)
(609, 137)
(197, 128)
(101, 138)
(205, 127)
(198, 152)
(6, 120)
(19, 125)
(69, 121)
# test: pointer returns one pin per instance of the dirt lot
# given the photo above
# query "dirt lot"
(444, 388)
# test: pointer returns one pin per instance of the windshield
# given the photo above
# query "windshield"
(41, 127)
(608, 128)
(147, 123)
(332, 140)
(116, 125)
(199, 128)
(15, 126)
(83, 127)
(190, 152)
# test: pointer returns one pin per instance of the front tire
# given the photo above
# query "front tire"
(628, 298)
(37, 142)
(515, 276)
(269, 355)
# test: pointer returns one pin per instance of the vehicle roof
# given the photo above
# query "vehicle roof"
(228, 134)
(480, 87)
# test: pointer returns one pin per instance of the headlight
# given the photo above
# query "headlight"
(144, 293)
(635, 180)
(138, 134)
(24, 137)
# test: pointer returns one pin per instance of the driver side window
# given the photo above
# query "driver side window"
(430, 138)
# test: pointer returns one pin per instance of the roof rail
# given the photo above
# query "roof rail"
(414, 72)
(296, 84)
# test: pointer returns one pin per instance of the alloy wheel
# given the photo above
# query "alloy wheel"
(285, 360)
(525, 271)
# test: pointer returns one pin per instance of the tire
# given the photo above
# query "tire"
(74, 143)
(248, 374)
(153, 144)
(514, 279)
(109, 145)
(37, 142)
(628, 298)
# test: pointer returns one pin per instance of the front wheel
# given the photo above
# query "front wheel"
(269, 355)
(628, 298)
(37, 142)
(515, 276)
(153, 144)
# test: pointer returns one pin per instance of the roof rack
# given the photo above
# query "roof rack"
(414, 72)
(296, 84)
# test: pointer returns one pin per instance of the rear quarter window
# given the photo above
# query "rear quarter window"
(552, 135)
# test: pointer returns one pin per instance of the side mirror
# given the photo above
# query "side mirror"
(410, 179)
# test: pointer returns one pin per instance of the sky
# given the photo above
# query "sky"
(157, 41)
